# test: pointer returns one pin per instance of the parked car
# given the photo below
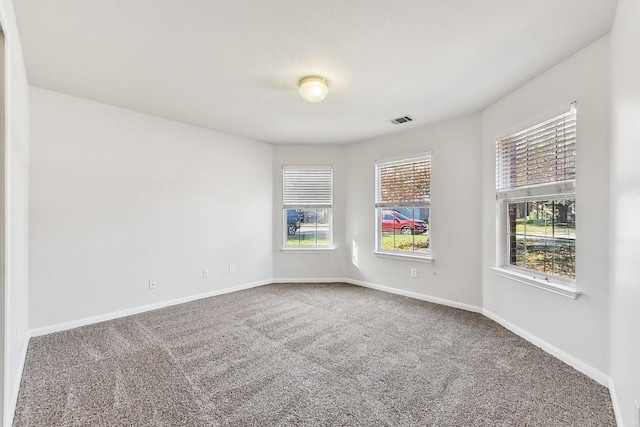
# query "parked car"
(393, 221)
(294, 218)
(416, 213)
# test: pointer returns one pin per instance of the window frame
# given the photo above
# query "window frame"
(548, 191)
(379, 208)
(307, 206)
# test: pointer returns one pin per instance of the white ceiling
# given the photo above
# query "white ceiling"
(233, 65)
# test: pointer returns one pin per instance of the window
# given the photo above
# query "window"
(403, 188)
(307, 207)
(535, 185)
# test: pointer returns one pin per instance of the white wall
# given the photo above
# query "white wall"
(16, 169)
(316, 265)
(578, 327)
(455, 222)
(119, 197)
(625, 210)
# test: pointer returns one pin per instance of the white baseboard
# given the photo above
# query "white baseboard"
(311, 280)
(383, 288)
(615, 403)
(415, 295)
(570, 360)
(12, 400)
(136, 310)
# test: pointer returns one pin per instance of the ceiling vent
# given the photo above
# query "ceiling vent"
(401, 120)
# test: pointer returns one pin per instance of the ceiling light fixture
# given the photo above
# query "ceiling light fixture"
(313, 88)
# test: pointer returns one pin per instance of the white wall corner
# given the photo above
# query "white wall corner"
(615, 403)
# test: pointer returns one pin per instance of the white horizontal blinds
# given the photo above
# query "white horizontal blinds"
(542, 154)
(404, 182)
(307, 186)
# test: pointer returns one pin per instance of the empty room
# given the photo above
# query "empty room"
(353, 213)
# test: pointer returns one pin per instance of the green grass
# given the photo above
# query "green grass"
(538, 226)
(401, 242)
(306, 240)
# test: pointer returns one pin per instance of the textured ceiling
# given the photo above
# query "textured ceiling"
(233, 66)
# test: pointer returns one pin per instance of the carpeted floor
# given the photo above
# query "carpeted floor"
(317, 354)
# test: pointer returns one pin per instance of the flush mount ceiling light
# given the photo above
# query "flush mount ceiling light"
(313, 88)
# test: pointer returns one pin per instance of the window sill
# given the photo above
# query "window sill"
(527, 279)
(426, 259)
(308, 250)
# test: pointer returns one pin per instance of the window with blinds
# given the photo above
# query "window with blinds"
(542, 154)
(307, 205)
(403, 182)
(403, 203)
(535, 187)
(307, 186)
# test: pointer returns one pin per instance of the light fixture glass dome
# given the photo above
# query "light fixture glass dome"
(313, 88)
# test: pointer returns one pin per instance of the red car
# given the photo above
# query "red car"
(393, 221)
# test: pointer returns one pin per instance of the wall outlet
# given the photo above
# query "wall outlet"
(414, 272)
(153, 284)
(205, 273)
(232, 268)
(637, 402)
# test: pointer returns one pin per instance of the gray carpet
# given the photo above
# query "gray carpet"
(318, 354)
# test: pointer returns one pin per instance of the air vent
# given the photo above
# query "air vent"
(401, 120)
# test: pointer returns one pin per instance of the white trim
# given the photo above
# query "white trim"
(531, 280)
(12, 401)
(310, 250)
(570, 360)
(387, 289)
(136, 310)
(310, 280)
(415, 295)
(615, 403)
(553, 190)
(428, 259)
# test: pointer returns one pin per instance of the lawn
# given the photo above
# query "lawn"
(539, 227)
(401, 242)
(308, 239)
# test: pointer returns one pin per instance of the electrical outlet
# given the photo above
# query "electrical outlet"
(153, 284)
(414, 273)
(232, 268)
(637, 402)
(205, 273)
